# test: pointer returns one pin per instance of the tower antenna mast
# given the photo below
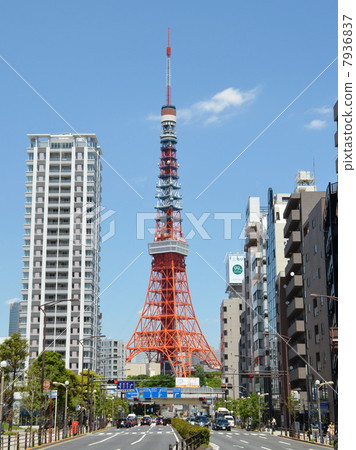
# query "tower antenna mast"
(168, 73)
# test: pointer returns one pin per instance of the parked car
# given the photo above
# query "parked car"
(221, 424)
(146, 420)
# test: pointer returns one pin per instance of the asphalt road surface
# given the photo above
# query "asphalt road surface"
(249, 440)
(136, 438)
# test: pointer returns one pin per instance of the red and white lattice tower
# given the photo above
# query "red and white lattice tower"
(168, 331)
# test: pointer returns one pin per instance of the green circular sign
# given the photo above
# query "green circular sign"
(237, 269)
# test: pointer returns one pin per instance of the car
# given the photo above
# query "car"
(120, 423)
(166, 420)
(231, 421)
(192, 420)
(133, 421)
(221, 424)
(202, 421)
(159, 420)
(146, 420)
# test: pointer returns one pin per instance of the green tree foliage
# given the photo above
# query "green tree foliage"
(14, 351)
(244, 408)
(154, 381)
(55, 371)
(213, 379)
(199, 373)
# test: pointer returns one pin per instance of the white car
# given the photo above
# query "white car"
(230, 420)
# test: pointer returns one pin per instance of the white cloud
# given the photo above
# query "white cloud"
(12, 300)
(213, 110)
(316, 124)
(217, 107)
(323, 110)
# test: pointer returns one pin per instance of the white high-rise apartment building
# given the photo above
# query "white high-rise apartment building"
(113, 359)
(61, 248)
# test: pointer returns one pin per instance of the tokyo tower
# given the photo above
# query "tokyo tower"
(168, 331)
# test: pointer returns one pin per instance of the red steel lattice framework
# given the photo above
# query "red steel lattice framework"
(168, 331)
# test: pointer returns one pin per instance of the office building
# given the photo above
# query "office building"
(112, 360)
(253, 358)
(296, 213)
(276, 263)
(61, 248)
(14, 318)
(230, 312)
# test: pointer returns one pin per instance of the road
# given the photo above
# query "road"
(135, 438)
(249, 440)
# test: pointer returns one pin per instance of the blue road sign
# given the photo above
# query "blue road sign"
(147, 392)
(177, 393)
(125, 385)
(162, 392)
(155, 392)
(133, 394)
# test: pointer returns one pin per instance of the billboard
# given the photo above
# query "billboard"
(235, 268)
(183, 382)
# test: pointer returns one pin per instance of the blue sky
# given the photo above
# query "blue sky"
(235, 68)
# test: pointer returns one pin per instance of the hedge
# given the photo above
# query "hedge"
(186, 430)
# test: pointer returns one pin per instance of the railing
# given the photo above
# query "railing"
(23, 440)
(190, 443)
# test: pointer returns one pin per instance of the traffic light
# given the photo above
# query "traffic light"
(111, 382)
(250, 375)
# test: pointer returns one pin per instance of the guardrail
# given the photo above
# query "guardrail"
(23, 440)
(191, 443)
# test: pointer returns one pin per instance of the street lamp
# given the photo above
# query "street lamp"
(43, 309)
(259, 408)
(81, 342)
(65, 385)
(318, 385)
(331, 297)
(3, 365)
(285, 369)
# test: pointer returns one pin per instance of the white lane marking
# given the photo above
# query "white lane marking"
(266, 448)
(285, 443)
(227, 435)
(237, 445)
(214, 446)
(262, 437)
(245, 442)
(133, 443)
(103, 440)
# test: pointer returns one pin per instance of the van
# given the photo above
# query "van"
(230, 420)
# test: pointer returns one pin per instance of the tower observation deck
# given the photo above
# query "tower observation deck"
(168, 331)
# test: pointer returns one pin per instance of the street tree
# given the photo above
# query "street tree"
(14, 350)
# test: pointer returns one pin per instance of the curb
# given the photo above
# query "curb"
(49, 444)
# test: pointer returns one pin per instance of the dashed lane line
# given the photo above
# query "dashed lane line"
(103, 440)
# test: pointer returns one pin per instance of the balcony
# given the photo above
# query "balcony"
(251, 240)
(293, 244)
(295, 307)
(292, 223)
(294, 263)
(295, 285)
(298, 373)
(296, 328)
(293, 203)
(296, 351)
